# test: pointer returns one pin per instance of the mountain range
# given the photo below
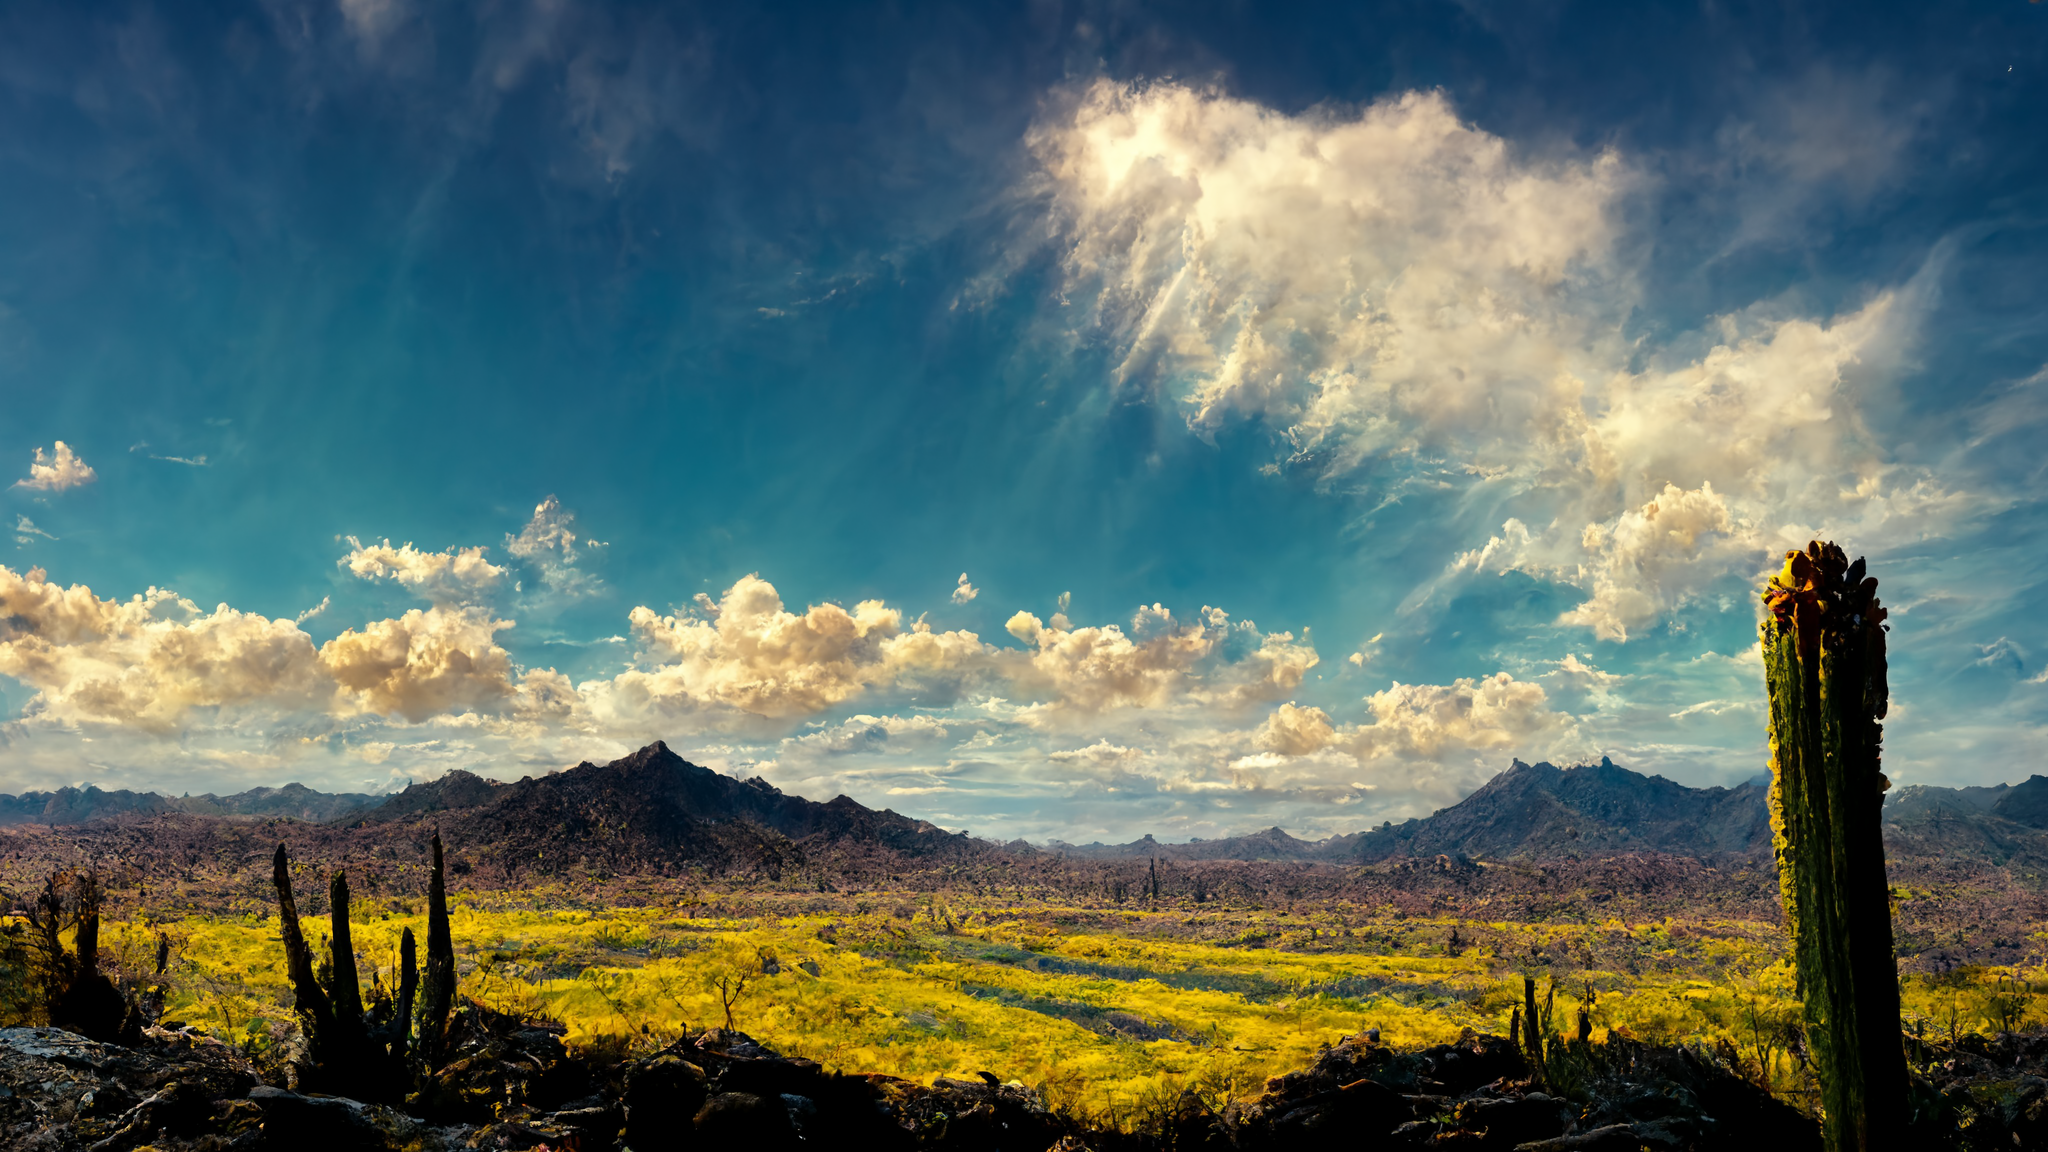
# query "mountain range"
(654, 810)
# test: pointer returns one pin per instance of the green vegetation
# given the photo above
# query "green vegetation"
(1111, 1011)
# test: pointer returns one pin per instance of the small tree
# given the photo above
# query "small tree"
(730, 984)
(1824, 665)
(74, 992)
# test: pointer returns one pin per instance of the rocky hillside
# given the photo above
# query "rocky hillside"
(652, 810)
(515, 1085)
(1538, 810)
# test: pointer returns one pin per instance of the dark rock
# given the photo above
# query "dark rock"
(59, 1090)
(1507, 1122)
(663, 1096)
(2025, 803)
(293, 1122)
(1613, 1138)
(759, 1123)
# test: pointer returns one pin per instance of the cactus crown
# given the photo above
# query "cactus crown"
(1820, 591)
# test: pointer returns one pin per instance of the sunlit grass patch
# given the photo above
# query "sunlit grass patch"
(1104, 1009)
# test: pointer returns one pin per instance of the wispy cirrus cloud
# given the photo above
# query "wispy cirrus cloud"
(553, 543)
(1405, 299)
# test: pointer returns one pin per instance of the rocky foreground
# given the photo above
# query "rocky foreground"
(513, 1085)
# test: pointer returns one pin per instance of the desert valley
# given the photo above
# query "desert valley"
(1131, 995)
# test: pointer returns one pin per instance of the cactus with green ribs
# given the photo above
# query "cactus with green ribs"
(1824, 664)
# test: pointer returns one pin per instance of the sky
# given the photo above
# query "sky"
(1059, 420)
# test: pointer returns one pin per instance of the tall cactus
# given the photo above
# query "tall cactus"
(348, 1050)
(438, 990)
(1824, 664)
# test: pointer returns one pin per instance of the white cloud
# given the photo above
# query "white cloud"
(754, 656)
(965, 591)
(189, 461)
(1104, 760)
(1492, 713)
(436, 662)
(24, 528)
(62, 469)
(549, 541)
(1432, 740)
(1651, 557)
(456, 576)
(1380, 283)
(1412, 302)
(149, 662)
(865, 734)
(146, 662)
(1296, 731)
(1160, 661)
(1582, 674)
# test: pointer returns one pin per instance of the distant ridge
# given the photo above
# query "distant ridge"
(1542, 812)
(83, 805)
(1535, 811)
(1272, 844)
(655, 810)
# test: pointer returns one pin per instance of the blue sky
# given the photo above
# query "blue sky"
(1050, 420)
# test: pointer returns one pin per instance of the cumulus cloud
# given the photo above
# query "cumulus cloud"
(1296, 731)
(1428, 721)
(549, 542)
(60, 470)
(422, 664)
(1092, 669)
(1424, 724)
(147, 661)
(753, 655)
(1413, 303)
(1649, 558)
(456, 576)
(746, 653)
(964, 592)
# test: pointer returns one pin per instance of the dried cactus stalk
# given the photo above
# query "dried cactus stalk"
(309, 1000)
(438, 989)
(1532, 1030)
(1824, 664)
(344, 994)
(408, 987)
